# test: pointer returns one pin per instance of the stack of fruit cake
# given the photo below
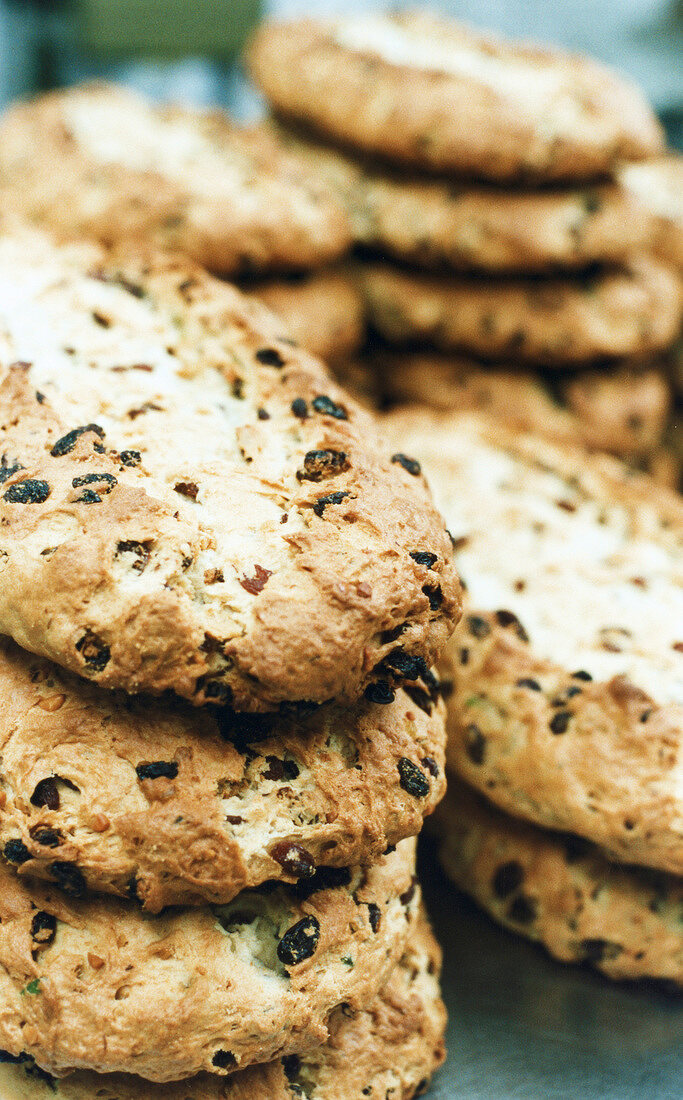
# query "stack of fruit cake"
(515, 214)
(221, 595)
(564, 686)
(102, 162)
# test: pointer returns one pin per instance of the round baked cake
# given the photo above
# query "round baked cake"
(559, 321)
(433, 93)
(565, 702)
(172, 804)
(389, 1047)
(189, 502)
(446, 224)
(99, 161)
(562, 892)
(622, 409)
(95, 984)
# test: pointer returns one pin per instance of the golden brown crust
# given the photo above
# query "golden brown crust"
(323, 312)
(623, 409)
(657, 187)
(665, 467)
(176, 805)
(260, 547)
(391, 1046)
(562, 893)
(595, 758)
(505, 111)
(665, 464)
(101, 162)
(563, 320)
(572, 564)
(91, 984)
(443, 224)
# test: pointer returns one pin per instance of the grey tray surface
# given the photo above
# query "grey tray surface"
(524, 1026)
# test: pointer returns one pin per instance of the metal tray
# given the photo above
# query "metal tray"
(524, 1026)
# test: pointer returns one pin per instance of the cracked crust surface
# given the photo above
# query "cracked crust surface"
(567, 669)
(188, 501)
(433, 93)
(101, 162)
(563, 893)
(553, 322)
(444, 224)
(178, 805)
(94, 984)
(324, 311)
(623, 410)
(390, 1047)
